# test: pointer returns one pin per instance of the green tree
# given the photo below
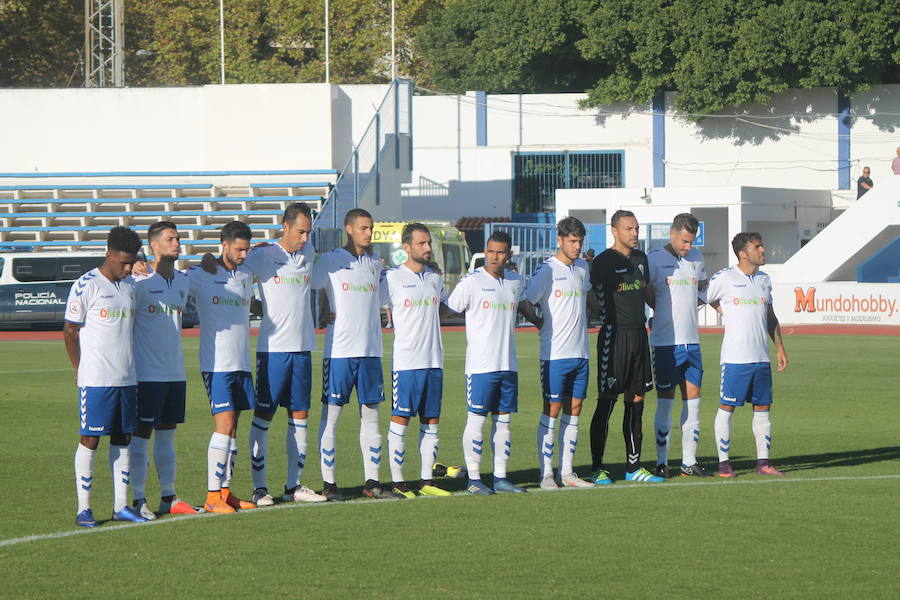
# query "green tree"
(41, 43)
(719, 53)
(270, 41)
(504, 46)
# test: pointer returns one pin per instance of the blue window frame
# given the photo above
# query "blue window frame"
(537, 176)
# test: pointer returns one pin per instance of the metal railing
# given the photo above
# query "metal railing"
(537, 175)
(360, 178)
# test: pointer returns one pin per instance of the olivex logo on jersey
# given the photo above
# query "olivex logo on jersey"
(753, 301)
(352, 287)
(567, 293)
(630, 287)
(229, 301)
(116, 313)
(165, 309)
(291, 279)
(671, 281)
(491, 305)
(417, 302)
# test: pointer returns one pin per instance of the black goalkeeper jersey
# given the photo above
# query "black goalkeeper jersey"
(620, 286)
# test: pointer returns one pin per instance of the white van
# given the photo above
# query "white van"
(34, 287)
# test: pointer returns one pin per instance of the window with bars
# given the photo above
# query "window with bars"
(537, 176)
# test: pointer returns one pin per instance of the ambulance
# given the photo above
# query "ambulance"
(448, 247)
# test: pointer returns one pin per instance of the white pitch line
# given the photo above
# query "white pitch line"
(320, 505)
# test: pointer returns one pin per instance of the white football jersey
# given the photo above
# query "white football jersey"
(105, 311)
(353, 286)
(415, 299)
(561, 292)
(745, 301)
(223, 305)
(158, 305)
(491, 307)
(284, 284)
(675, 282)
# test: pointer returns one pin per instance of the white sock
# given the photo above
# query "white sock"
(502, 443)
(259, 446)
(369, 440)
(568, 440)
(723, 433)
(662, 423)
(84, 476)
(397, 450)
(428, 449)
(762, 429)
(690, 430)
(164, 459)
(140, 464)
(217, 461)
(232, 460)
(120, 465)
(327, 449)
(473, 444)
(546, 437)
(295, 444)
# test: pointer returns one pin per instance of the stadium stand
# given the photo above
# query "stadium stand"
(74, 211)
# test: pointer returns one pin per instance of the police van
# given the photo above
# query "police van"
(34, 287)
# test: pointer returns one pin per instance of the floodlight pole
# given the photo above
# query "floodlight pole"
(222, 39)
(327, 49)
(393, 43)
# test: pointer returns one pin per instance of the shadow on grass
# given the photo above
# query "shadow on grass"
(530, 478)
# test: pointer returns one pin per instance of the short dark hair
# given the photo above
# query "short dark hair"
(123, 239)
(294, 210)
(356, 213)
(500, 236)
(408, 229)
(741, 240)
(157, 228)
(235, 231)
(685, 222)
(620, 214)
(570, 226)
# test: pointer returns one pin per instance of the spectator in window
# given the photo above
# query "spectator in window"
(864, 183)
(589, 255)
(895, 166)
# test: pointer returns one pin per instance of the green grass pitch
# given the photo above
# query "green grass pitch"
(829, 529)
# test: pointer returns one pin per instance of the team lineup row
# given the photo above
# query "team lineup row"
(123, 337)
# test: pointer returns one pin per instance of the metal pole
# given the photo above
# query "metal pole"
(396, 85)
(222, 39)
(327, 49)
(393, 43)
(377, 159)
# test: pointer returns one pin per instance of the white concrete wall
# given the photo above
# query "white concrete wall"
(875, 135)
(480, 178)
(239, 127)
(761, 148)
(790, 143)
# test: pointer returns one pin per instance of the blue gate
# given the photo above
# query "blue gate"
(533, 243)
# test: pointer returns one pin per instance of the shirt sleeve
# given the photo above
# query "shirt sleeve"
(384, 290)
(768, 290)
(194, 274)
(458, 301)
(255, 259)
(714, 290)
(77, 304)
(319, 272)
(536, 288)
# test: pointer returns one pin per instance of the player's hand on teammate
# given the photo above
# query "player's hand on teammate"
(208, 263)
(140, 267)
